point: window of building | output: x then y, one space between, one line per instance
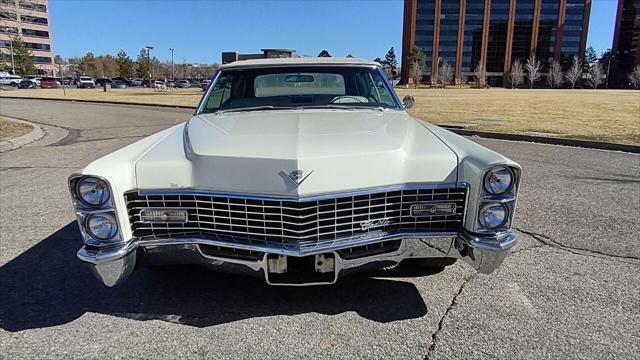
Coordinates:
34 19
472 38
545 50
42 59
37 33
8 15
8 30
522 29
499 15
38 47
28 5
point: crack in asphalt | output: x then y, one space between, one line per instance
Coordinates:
452 304
76 141
546 240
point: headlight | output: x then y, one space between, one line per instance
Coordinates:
102 226
492 215
92 191
498 180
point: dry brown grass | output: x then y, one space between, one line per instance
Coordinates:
12 129
604 115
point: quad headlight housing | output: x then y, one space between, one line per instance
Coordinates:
95 209
497 199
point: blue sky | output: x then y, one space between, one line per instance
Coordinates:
200 30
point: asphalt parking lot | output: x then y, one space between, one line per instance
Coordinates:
569 290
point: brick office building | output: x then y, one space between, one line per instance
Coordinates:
495 32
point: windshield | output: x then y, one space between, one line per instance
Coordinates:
298 87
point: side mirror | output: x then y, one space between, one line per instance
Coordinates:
408 101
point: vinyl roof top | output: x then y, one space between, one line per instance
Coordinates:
298 61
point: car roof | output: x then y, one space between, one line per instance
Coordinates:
298 61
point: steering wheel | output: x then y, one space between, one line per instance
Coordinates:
338 98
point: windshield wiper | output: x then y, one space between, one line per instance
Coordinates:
253 108
342 107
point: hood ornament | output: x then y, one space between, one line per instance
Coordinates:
297 176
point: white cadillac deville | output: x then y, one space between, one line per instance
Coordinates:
299 171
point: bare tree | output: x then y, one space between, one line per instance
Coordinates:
480 73
445 74
596 75
634 77
416 58
575 72
533 68
554 79
516 76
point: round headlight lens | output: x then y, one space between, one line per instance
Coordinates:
92 191
102 226
498 180
493 215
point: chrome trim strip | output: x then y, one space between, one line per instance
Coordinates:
302 250
303 198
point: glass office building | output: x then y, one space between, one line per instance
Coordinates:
626 39
465 33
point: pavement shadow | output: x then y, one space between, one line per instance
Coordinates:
47 286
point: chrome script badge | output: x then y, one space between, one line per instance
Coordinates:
374 224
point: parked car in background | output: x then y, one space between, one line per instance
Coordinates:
28 84
7 79
160 85
171 84
118 84
194 83
102 81
205 84
136 82
126 81
298 171
85 82
183 84
49 83
68 80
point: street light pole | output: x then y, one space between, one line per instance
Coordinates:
149 48
13 64
172 67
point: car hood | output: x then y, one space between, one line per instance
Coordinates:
329 150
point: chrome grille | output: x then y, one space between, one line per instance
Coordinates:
297 223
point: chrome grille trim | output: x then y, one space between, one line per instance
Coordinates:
294 222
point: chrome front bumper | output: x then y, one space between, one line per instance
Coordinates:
484 253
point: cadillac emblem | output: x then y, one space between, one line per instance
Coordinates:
297 176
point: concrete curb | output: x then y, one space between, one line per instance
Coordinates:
36 134
101 102
465 132
548 140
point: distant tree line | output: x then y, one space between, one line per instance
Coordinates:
143 67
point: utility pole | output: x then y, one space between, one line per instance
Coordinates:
172 67
149 48
13 63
